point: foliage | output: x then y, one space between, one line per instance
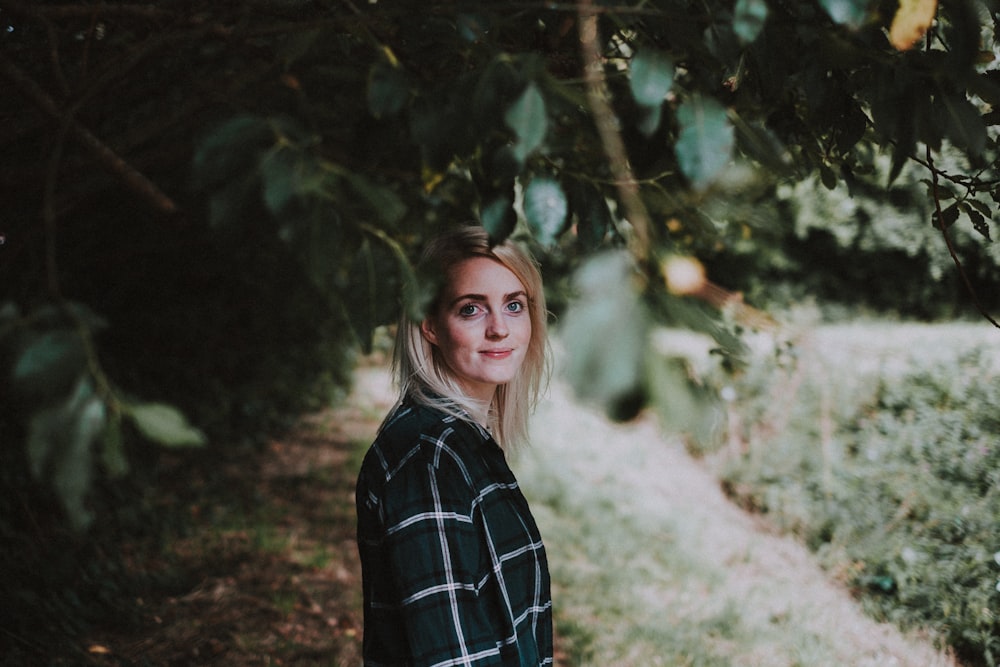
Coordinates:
651 565
888 470
852 246
238 190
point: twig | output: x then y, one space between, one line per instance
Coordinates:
135 180
625 180
947 240
607 129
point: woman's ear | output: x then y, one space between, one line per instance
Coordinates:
427 330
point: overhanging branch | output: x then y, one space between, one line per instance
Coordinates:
947 239
129 175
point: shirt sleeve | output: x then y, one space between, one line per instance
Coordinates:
437 553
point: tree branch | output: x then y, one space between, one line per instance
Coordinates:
607 129
113 162
947 240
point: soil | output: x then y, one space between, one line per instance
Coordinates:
268 574
269 559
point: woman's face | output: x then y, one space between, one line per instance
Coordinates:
482 326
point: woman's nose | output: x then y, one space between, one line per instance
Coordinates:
496 326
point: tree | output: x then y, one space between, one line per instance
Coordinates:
160 158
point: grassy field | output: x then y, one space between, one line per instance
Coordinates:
876 444
652 565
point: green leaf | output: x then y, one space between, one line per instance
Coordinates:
759 143
281 171
964 125
545 209
828 177
384 203
677 400
60 448
649 119
607 326
651 77
528 119
593 219
232 148
417 293
705 142
388 89
498 217
980 206
949 216
979 223
49 365
165 425
850 13
113 453
749 17
473 27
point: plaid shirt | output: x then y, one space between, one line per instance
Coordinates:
453 565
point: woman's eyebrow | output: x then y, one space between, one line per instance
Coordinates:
484 298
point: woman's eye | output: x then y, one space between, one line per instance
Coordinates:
468 310
515 307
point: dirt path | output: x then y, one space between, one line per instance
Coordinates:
269 574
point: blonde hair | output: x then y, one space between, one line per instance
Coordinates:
422 374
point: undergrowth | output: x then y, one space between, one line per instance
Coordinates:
880 452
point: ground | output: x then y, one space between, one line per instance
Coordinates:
269 574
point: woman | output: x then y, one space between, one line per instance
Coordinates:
453 565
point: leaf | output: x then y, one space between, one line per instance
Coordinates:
545 208
280 170
474 26
911 22
649 119
232 148
365 297
164 425
850 13
677 400
749 17
828 177
979 223
113 452
383 201
498 217
651 77
593 219
49 365
60 445
759 143
964 124
607 326
388 89
949 215
980 206
417 294
705 142
528 119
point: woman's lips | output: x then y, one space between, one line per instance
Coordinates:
497 354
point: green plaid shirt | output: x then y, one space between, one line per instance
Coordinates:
453 565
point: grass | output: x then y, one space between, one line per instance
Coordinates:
653 566
875 445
